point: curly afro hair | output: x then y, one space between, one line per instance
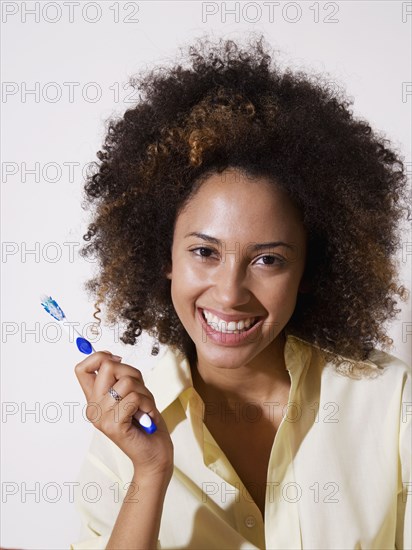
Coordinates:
233 107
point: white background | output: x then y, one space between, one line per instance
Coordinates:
366 50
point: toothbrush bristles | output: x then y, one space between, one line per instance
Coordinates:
52 307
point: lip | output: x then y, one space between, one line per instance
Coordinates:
228 318
225 339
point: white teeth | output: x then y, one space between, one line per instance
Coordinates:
232 326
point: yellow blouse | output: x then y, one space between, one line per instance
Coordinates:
339 474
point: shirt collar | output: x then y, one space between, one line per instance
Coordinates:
171 375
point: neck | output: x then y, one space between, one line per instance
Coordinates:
256 381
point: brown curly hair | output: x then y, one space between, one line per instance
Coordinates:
233 107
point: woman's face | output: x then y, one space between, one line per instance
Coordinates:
238 256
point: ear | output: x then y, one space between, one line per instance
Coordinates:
168 272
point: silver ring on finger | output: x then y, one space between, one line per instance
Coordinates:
114 394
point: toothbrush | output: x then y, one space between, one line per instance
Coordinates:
84 346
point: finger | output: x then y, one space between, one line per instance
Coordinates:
127 384
124 387
117 357
119 416
123 378
85 370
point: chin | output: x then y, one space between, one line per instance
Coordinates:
226 357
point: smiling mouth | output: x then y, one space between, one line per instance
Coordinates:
231 327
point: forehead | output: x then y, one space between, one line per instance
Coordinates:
234 204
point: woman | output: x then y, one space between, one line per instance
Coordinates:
248 221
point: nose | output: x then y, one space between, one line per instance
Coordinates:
230 285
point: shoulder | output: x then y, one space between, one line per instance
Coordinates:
390 368
379 365
396 376
382 377
388 361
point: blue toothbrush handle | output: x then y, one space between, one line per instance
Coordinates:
144 420
84 345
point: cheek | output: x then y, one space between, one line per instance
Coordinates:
190 275
186 285
281 295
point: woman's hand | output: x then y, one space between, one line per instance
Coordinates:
151 454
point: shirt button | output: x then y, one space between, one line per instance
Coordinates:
250 521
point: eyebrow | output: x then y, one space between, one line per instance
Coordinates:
213 240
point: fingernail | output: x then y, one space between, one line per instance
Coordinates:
116 357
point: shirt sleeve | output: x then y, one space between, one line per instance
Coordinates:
100 493
404 504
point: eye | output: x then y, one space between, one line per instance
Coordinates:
203 251
272 260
